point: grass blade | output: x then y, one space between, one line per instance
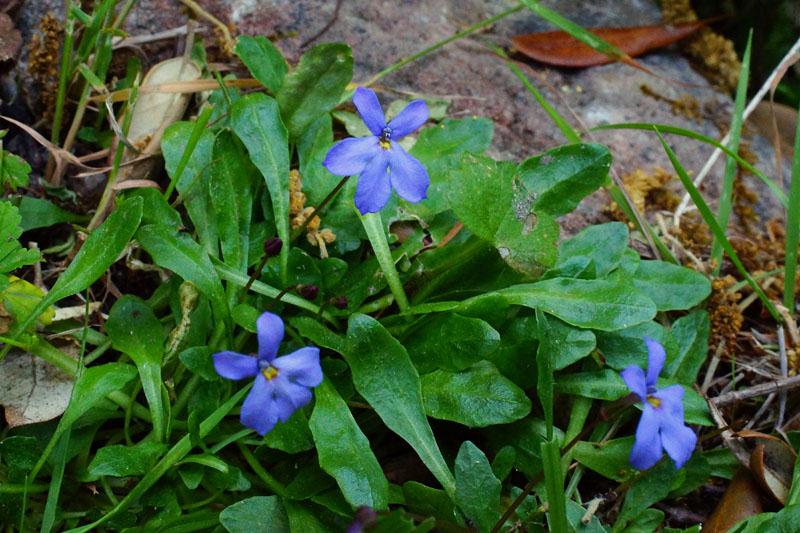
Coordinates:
792 228
675 130
715 228
726 195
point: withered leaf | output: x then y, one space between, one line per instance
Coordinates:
560 49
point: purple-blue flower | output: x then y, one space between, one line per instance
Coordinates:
283 384
661 425
380 163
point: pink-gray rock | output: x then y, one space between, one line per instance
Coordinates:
382 31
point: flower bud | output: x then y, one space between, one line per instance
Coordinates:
309 292
272 246
340 302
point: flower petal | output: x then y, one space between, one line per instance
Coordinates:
655 360
634 379
301 367
232 365
348 157
678 440
366 101
671 401
409 119
258 410
289 397
373 188
270 334
408 176
646 450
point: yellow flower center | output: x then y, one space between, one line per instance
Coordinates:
655 402
270 373
385 144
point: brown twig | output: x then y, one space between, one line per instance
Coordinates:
777 385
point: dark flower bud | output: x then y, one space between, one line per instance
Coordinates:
309 292
272 246
364 519
339 302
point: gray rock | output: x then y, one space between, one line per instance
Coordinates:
382 32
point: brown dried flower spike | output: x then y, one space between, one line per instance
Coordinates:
319 237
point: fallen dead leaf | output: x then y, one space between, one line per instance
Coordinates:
32 390
560 49
153 112
742 499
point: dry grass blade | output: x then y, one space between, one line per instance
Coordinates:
60 155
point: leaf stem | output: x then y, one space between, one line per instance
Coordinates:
373 225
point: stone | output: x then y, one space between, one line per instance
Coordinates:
477 82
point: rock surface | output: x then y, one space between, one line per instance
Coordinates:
381 32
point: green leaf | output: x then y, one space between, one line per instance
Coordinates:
525 436
136 331
606 305
230 187
603 259
182 255
427 501
344 451
554 485
258 514
671 287
477 490
626 347
569 344
292 436
125 461
39 213
653 486
256 120
560 178
14 171
12 254
495 205
610 459
450 342
264 61
600 385
544 370
193 182
438 148
691 335
156 210
101 249
477 397
315 86
92 387
384 375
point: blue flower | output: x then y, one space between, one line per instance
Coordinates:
661 425
380 163
283 384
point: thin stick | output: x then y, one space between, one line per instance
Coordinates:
777 385
299 230
784 375
684 205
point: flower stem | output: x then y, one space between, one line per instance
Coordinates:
374 228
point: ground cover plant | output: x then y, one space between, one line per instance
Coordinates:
301 304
